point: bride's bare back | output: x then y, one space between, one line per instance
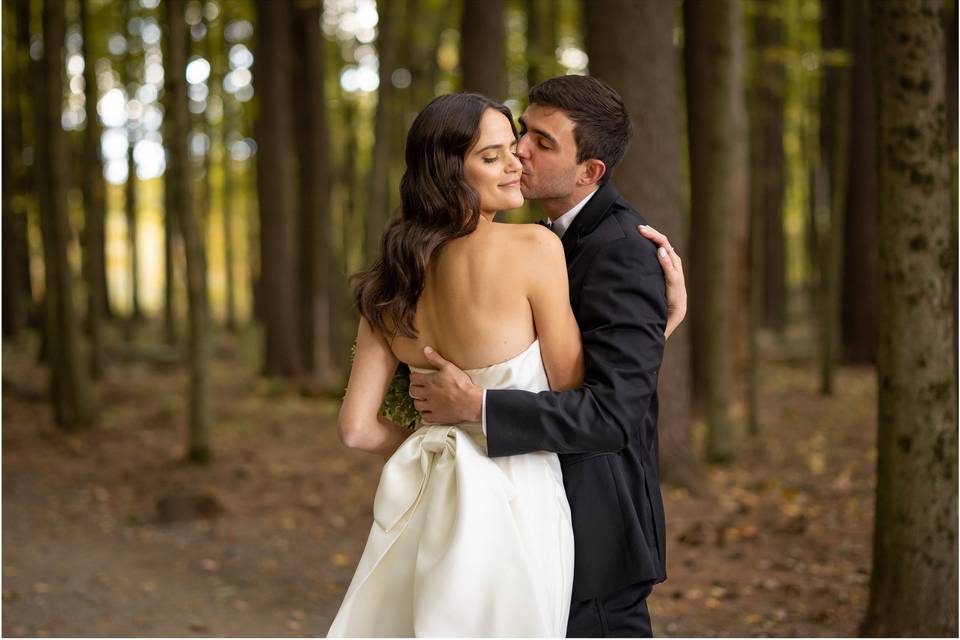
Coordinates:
475 308
488 295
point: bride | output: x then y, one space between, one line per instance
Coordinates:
461 544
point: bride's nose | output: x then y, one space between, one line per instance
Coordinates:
513 164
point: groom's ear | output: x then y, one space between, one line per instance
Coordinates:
591 172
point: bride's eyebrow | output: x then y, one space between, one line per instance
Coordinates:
496 146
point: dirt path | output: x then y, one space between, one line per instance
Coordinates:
779 548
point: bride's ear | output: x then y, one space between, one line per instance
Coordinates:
592 170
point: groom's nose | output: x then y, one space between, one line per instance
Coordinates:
523 149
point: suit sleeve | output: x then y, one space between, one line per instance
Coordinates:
622 318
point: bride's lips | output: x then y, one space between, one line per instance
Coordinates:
512 183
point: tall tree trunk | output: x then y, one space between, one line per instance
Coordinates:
767 282
913 588
378 211
275 190
951 95
94 197
170 232
227 128
767 182
861 270
179 182
650 178
836 38
716 111
69 388
131 80
483 47
542 39
315 255
17 296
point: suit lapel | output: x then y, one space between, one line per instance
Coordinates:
588 218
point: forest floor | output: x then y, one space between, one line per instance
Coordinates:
779 545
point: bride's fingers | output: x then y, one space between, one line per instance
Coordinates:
652 234
666 261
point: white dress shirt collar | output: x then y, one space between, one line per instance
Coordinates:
561 224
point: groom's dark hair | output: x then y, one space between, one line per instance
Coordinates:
602 126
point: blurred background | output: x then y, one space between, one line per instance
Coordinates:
187 186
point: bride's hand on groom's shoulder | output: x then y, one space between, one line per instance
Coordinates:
447 396
672 274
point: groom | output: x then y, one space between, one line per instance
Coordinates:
574 133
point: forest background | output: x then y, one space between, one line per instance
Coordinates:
187 186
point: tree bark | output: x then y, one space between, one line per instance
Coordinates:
227 128
767 182
276 177
542 39
483 48
650 178
315 256
180 182
859 311
69 389
836 39
94 198
913 587
17 295
130 80
716 112
378 210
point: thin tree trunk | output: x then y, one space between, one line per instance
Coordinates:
130 191
718 170
228 126
483 48
180 182
542 39
650 178
276 182
17 298
378 211
767 182
837 31
94 198
861 270
913 587
170 245
69 389
315 254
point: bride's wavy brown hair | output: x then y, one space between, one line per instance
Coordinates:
436 206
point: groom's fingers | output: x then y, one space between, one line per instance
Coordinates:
434 358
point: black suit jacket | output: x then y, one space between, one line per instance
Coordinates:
606 431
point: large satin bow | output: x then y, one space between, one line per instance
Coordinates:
406 475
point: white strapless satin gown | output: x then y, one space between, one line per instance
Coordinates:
463 544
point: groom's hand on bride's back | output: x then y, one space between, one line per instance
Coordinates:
672 275
447 396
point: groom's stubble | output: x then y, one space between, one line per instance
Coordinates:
549 184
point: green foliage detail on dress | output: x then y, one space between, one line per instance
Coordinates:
397 404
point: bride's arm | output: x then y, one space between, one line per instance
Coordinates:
360 426
549 294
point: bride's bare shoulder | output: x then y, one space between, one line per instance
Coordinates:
530 236
532 245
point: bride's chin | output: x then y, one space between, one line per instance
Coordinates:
515 203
